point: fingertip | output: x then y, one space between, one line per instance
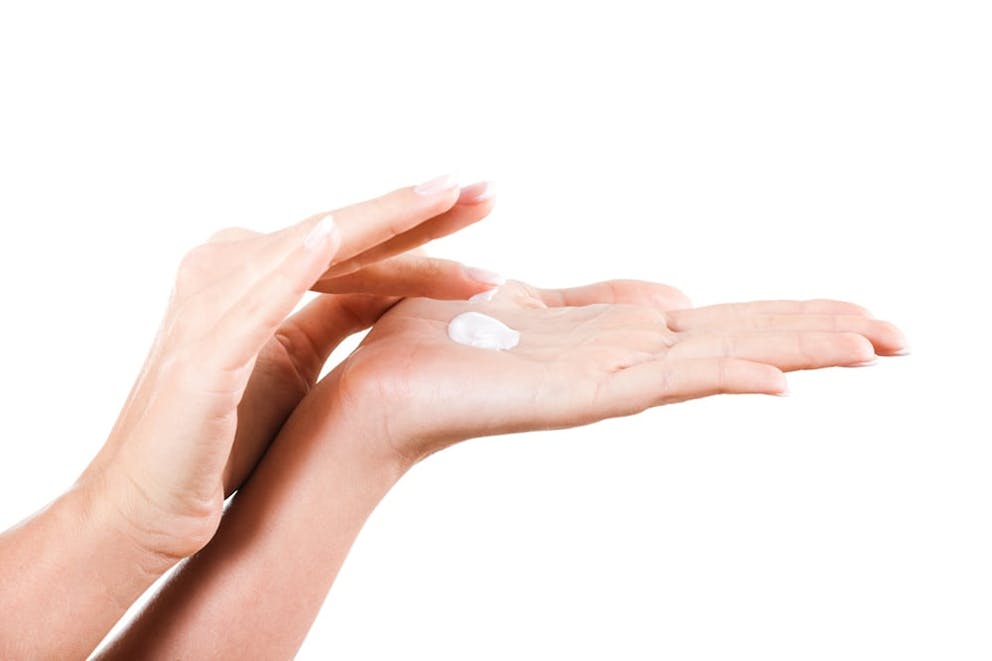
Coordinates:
322 233
485 296
778 385
484 276
887 338
900 343
462 283
477 193
858 348
437 186
748 376
434 196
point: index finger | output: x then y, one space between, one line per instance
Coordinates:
473 204
370 223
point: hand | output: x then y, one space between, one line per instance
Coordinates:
585 354
228 367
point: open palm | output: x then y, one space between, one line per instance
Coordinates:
587 354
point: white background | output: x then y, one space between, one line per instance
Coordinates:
738 150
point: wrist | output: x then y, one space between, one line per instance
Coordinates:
362 427
390 432
108 515
73 574
358 443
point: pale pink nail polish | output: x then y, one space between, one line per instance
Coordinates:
437 185
485 275
318 236
475 193
484 296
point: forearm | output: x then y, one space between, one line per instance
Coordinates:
67 575
262 579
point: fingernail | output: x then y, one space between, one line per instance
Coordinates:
484 296
477 192
484 275
318 236
437 185
784 393
903 352
865 363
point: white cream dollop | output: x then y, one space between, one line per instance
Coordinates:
480 330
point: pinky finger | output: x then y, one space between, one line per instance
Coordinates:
659 382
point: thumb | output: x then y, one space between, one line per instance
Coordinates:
311 334
307 338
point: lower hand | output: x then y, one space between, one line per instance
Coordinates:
585 354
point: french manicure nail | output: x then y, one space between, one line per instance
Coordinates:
477 192
865 363
320 233
437 185
484 275
484 296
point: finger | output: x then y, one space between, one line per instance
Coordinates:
632 292
474 203
254 260
221 271
316 330
785 350
885 337
232 234
295 258
363 226
409 276
658 382
370 223
731 313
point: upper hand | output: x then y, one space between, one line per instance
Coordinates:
228 365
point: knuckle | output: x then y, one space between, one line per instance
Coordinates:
181 315
668 338
728 345
643 316
196 367
291 284
194 265
229 234
195 257
807 348
723 375
183 367
434 269
671 298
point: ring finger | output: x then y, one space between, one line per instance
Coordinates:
786 350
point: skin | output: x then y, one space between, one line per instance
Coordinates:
225 371
589 353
